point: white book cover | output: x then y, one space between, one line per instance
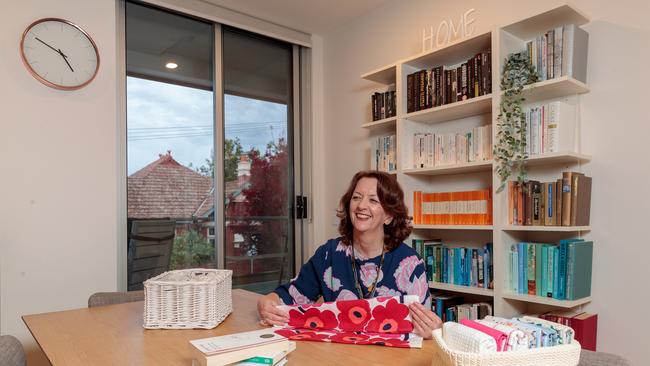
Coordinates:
237 341
561 128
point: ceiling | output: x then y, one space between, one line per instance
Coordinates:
309 16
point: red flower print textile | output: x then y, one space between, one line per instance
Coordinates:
312 318
379 321
354 314
390 318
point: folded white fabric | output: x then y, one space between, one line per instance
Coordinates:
517 340
461 338
565 334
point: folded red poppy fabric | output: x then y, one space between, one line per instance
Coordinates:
382 321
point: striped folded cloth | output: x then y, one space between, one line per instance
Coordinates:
465 339
500 337
565 333
517 339
533 332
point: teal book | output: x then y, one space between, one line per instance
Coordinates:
429 260
579 260
530 275
544 270
522 284
562 282
514 269
538 270
556 277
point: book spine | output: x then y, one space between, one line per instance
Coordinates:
555 271
562 266
566 198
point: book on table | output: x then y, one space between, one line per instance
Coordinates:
232 348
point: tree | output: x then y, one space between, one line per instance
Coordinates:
266 195
232 151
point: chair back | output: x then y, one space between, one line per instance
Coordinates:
150 247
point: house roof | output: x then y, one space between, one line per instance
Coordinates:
166 188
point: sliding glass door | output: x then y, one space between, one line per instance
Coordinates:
258 159
179 69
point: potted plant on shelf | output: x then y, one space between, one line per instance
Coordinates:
510 148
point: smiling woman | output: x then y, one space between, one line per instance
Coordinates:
368 260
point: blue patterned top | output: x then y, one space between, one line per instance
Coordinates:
328 273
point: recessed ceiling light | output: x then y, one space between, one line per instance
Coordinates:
171 65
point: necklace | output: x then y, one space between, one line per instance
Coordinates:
371 289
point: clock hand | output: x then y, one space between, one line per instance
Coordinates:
65 58
55 50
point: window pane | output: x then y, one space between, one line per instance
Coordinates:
169 143
258 173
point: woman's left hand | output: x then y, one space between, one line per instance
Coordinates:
424 320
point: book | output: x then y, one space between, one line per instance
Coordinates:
578 271
566 197
585 326
268 358
580 200
575 42
227 349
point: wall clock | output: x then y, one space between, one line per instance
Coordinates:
59 54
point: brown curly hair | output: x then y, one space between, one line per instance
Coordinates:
391 198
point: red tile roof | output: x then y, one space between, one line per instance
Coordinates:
166 188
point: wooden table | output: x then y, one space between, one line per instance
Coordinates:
113 335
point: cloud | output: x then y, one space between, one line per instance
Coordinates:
162 117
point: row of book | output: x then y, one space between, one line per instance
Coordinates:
258 347
550 128
439 85
560 51
384 156
453 208
457 265
561 271
431 150
383 105
585 325
452 308
565 202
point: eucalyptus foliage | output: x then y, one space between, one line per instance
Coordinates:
510 148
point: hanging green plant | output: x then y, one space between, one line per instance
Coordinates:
510 148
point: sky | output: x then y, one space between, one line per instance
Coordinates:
162 117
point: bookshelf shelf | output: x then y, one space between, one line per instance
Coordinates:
479 166
453 227
464 289
382 123
384 75
564 229
558 158
450 54
528 28
457 110
553 88
567 304
464 117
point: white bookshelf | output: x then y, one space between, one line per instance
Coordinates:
478 166
461 289
462 116
381 124
454 227
556 229
567 304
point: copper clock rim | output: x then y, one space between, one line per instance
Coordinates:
47 82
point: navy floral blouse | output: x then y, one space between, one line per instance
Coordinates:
329 274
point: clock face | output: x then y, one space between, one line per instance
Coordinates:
59 54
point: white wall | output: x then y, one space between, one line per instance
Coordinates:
615 126
58 186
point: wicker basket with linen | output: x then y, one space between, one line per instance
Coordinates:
562 355
188 298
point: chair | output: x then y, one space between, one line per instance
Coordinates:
150 247
11 351
110 298
591 358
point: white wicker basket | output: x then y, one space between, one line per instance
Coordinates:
563 355
189 298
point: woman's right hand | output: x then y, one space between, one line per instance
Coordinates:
269 313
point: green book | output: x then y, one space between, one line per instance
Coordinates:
538 269
579 260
